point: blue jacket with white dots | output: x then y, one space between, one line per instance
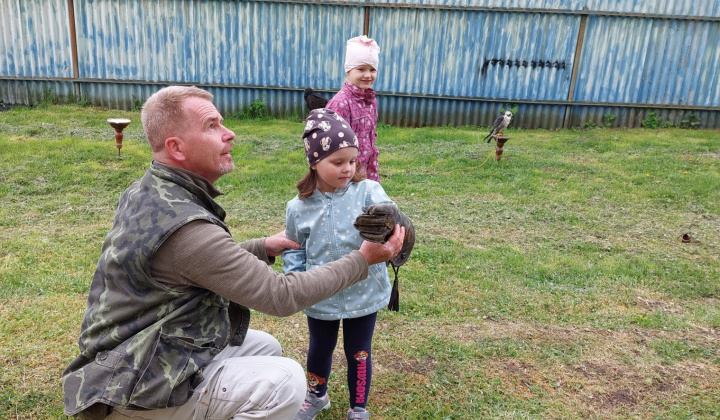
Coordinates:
323 225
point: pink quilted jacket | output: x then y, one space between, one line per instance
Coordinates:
359 108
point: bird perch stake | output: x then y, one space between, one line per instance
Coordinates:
500 142
119 125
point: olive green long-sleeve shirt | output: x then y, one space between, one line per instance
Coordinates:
202 254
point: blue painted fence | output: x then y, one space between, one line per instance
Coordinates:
562 63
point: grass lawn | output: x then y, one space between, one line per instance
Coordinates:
551 284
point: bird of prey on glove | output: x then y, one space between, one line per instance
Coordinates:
499 125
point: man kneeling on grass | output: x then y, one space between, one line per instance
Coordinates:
165 333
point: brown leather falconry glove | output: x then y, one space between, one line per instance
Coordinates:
377 224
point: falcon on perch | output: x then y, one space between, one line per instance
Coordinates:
499 125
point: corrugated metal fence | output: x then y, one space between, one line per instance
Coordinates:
562 63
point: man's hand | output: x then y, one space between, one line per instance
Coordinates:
376 253
276 244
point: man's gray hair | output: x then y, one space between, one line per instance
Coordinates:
163 115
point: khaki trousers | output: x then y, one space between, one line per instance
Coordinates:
247 382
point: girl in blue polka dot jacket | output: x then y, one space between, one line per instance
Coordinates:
331 195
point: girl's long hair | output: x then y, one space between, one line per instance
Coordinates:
307 185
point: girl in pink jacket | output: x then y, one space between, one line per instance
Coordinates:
356 102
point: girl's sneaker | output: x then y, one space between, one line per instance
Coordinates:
312 406
358 413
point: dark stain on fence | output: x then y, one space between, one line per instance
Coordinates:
560 65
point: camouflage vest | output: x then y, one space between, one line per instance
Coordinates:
142 342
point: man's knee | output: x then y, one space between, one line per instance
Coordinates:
271 385
256 343
259 343
297 385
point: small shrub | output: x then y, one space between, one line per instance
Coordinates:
690 121
607 120
137 104
652 120
75 99
49 97
589 125
255 111
512 107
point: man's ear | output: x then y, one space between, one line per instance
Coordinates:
175 148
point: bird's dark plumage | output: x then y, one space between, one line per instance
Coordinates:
499 125
314 100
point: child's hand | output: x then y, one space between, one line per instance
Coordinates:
276 244
376 253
